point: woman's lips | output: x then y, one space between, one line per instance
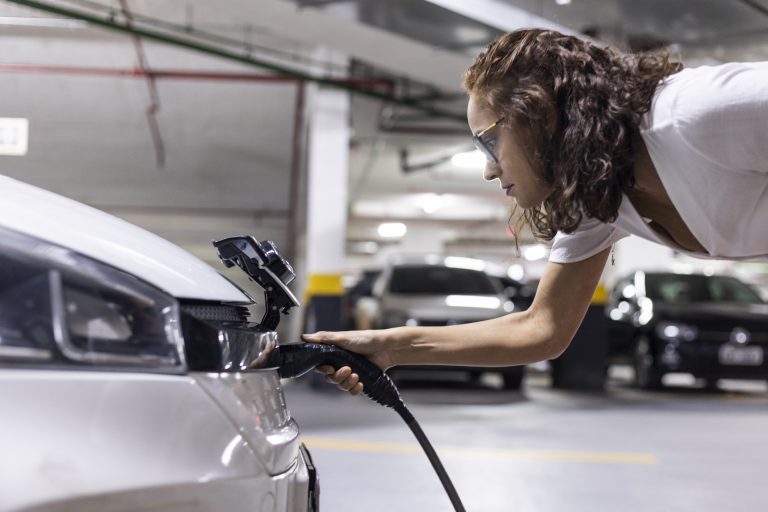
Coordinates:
509 190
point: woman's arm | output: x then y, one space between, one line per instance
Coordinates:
543 331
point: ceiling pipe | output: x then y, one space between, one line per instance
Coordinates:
172 74
126 28
757 6
154 96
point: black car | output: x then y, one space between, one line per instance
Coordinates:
363 288
712 327
521 294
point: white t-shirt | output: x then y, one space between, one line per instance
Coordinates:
707 135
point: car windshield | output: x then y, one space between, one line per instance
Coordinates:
437 280
687 289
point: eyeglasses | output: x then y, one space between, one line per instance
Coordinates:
486 145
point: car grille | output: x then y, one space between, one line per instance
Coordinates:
216 312
725 337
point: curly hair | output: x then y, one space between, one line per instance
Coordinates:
581 106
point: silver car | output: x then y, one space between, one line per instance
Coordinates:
438 291
122 382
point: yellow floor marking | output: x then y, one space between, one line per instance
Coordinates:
377 447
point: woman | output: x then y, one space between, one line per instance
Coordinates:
595 145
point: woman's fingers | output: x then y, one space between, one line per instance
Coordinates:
344 378
350 382
357 389
341 374
326 370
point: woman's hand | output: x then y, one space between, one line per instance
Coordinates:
376 345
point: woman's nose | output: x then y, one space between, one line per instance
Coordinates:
491 171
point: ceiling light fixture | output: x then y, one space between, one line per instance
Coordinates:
535 252
516 272
469 160
392 229
431 203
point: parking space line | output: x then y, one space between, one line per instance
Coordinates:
552 455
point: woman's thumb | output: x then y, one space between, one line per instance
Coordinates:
330 338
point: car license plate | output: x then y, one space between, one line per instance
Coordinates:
743 356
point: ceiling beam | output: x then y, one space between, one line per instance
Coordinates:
178 40
502 15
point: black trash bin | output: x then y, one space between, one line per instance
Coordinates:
584 364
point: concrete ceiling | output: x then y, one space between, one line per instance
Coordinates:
228 143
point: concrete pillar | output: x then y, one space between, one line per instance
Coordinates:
326 227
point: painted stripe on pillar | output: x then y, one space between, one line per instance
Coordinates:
324 284
600 297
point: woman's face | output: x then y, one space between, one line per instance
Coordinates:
514 171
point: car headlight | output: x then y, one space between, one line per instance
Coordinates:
671 331
60 308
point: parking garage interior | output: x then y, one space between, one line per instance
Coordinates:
337 130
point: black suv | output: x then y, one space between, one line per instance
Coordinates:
709 326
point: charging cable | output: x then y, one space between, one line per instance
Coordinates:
297 359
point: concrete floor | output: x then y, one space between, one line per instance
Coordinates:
543 450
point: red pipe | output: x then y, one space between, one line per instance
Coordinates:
172 74
154 97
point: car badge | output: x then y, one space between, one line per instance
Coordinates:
740 336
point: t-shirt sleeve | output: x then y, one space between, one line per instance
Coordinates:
591 237
722 114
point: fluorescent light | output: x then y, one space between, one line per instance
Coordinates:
392 229
516 272
365 247
466 263
41 22
563 2
430 203
469 160
14 136
472 301
535 252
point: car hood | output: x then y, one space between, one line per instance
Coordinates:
91 232
435 307
715 313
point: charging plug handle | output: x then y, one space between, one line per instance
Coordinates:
297 359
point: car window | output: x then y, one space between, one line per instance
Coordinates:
437 280
728 289
686 289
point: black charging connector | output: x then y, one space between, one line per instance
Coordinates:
264 265
296 359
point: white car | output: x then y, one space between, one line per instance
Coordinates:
120 374
439 291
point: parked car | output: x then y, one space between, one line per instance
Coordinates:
709 326
521 294
363 288
438 292
121 373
